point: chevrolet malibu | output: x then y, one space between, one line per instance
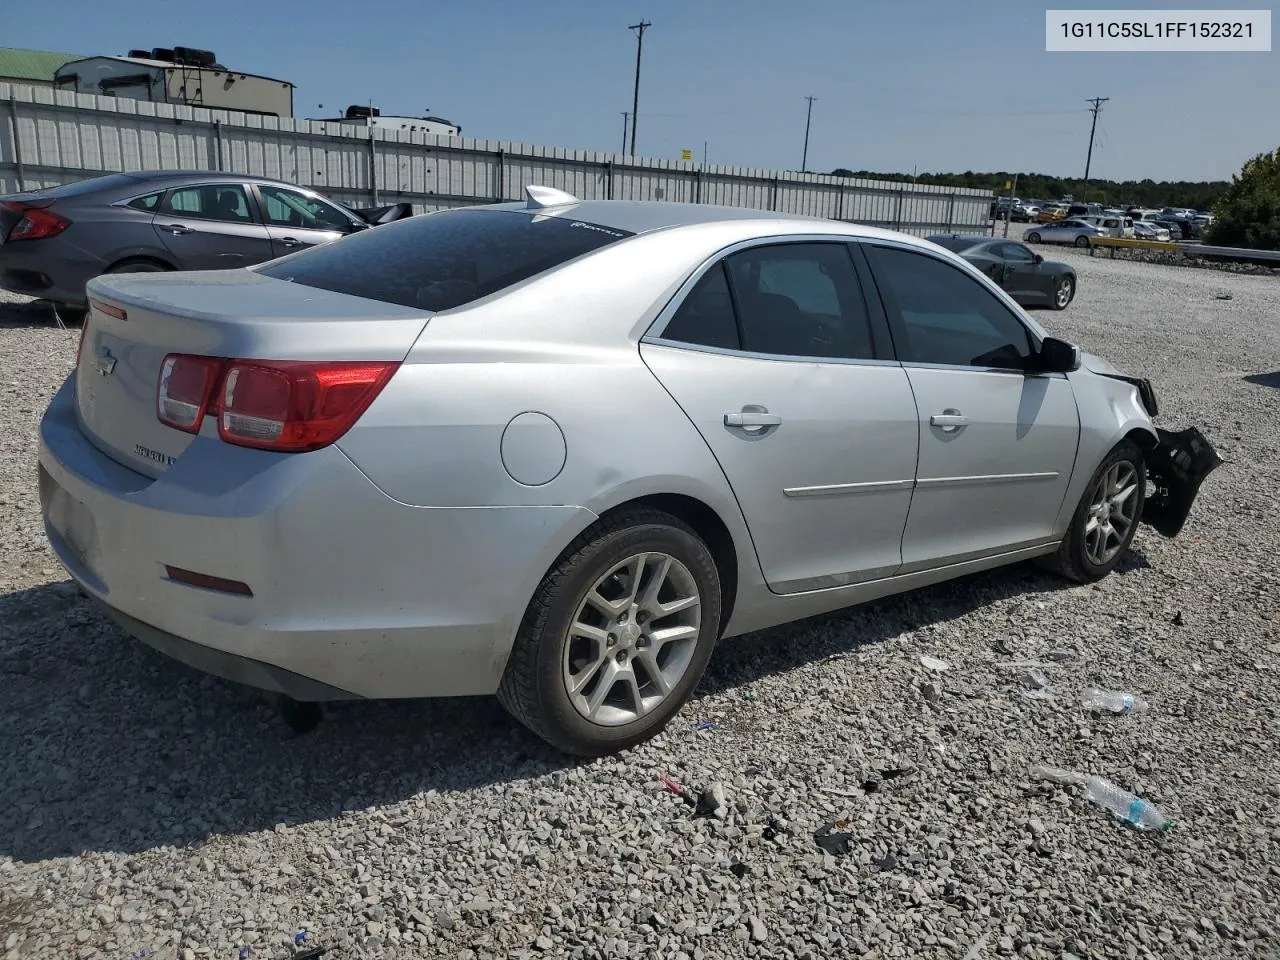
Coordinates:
557 450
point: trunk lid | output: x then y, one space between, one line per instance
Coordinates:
222 313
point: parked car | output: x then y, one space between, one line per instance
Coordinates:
1084 210
1050 214
1147 230
437 475
1024 274
53 241
1074 231
1023 212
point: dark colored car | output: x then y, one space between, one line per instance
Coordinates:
52 242
1025 275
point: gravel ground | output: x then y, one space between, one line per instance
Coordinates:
143 805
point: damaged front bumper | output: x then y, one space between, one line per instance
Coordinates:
1175 470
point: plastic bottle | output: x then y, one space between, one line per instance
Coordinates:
1133 810
1113 701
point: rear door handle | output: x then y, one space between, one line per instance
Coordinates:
949 421
177 229
751 420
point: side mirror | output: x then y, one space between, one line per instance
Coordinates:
1056 356
1036 258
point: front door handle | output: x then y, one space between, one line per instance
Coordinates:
290 242
752 420
177 229
949 421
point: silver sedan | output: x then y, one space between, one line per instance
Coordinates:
1076 232
557 450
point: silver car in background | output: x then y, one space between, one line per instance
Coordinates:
1146 230
558 450
1074 231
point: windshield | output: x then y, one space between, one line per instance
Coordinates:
443 260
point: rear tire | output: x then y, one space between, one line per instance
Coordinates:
627 682
137 265
1105 520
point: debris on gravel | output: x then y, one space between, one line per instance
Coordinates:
144 806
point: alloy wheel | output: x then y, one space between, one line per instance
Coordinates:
1112 509
631 639
1063 295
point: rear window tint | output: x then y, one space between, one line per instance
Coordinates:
113 182
956 244
443 260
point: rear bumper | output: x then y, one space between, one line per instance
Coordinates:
52 269
354 594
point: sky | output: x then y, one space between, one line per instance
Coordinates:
901 85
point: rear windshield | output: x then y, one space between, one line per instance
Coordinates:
111 182
956 244
445 259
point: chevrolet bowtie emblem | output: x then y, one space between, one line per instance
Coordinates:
106 362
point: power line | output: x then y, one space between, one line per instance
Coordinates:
1093 128
804 160
639 28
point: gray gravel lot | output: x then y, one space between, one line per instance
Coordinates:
145 806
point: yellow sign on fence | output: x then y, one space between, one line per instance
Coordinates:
686 154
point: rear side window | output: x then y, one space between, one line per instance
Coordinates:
443 260
706 318
149 202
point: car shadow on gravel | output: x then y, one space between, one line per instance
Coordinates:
33 313
106 745
1265 379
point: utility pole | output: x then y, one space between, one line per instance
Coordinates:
625 117
639 28
704 153
804 160
1096 108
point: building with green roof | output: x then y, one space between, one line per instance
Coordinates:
32 67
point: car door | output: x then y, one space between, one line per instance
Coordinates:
211 226
296 219
775 357
997 444
1025 281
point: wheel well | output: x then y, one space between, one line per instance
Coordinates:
706 523
1145 441
142 259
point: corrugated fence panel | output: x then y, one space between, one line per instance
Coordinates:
49 137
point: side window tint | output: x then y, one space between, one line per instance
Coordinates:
226 202
1016 253
706 317
946 316
288 208
149 202
801 300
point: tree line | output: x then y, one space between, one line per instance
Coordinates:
1198 195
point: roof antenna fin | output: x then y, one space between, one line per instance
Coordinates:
540 197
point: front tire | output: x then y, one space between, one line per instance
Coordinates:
1064 293
617 635
1106 518
1032 237
1082 242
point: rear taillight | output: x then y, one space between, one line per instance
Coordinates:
37 222
84 332
285 405
295 405
186 386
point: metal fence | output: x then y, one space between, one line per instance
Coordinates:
49 137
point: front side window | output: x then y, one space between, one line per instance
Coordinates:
1016 253
945 316
220 201
443 260
290 208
